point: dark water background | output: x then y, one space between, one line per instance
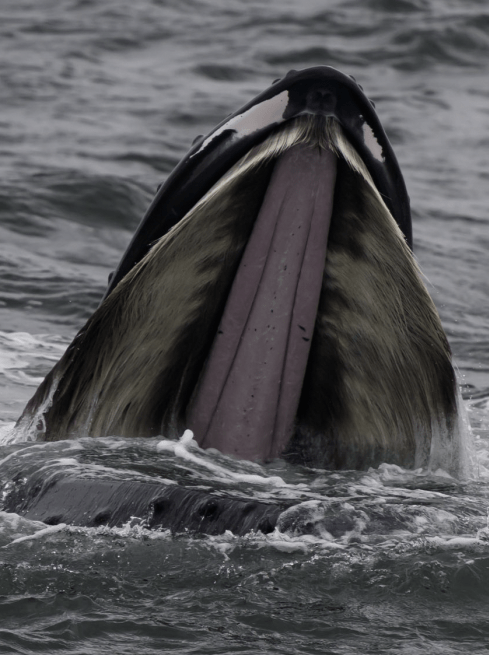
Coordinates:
98 102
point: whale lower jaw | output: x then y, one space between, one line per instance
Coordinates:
94 502
342 364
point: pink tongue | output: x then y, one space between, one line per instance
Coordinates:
248 393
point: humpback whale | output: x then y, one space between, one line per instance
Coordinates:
269 300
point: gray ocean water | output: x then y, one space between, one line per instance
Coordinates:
98 102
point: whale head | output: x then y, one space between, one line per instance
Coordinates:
269 299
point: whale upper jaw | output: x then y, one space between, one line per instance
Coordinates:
269 299
318 91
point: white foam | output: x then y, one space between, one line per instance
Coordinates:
132 529
181 449
289 543
20 351
11 522
452 543
452 451
52 529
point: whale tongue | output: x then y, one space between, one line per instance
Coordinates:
248 393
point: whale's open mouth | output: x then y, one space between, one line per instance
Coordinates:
269 299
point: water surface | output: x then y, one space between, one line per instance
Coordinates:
99 102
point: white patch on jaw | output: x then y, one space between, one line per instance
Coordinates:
372 143
259 116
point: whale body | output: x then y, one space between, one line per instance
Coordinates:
269 299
